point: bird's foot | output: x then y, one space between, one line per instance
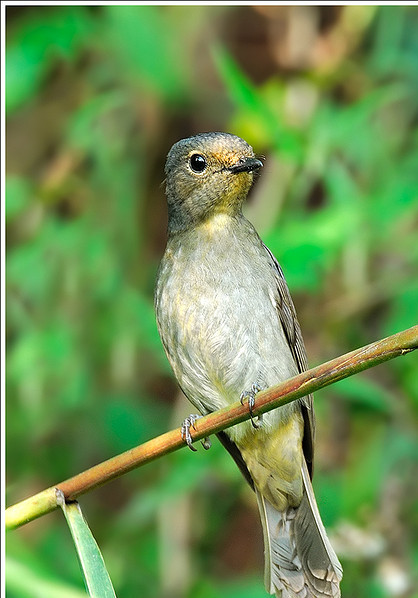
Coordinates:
250 396
188 423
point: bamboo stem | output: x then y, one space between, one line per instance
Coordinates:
281 394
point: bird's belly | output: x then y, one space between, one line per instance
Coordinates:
222 341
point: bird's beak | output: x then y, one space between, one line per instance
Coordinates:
246 165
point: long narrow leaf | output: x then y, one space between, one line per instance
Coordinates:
247 97
96 577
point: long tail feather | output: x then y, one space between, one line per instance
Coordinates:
300 561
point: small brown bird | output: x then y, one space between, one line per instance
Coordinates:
229 328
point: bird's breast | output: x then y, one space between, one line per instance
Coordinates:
216 312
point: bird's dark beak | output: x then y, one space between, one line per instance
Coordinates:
246 165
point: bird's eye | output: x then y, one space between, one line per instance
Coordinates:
197 163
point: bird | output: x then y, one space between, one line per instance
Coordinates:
229 329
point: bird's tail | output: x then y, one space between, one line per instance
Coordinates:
300 561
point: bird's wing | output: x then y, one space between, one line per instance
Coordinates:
289 321
235 453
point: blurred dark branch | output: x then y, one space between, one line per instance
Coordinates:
290 390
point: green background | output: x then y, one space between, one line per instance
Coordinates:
95 98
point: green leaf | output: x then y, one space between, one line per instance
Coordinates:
18 195
23 581
144 40
364 474
248 587
96 577
307 247
37 44
365 393
249 99
128 423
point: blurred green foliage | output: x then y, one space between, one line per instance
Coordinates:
95 97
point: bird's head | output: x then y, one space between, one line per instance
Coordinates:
207 174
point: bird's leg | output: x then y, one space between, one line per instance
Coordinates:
188 423
250 396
